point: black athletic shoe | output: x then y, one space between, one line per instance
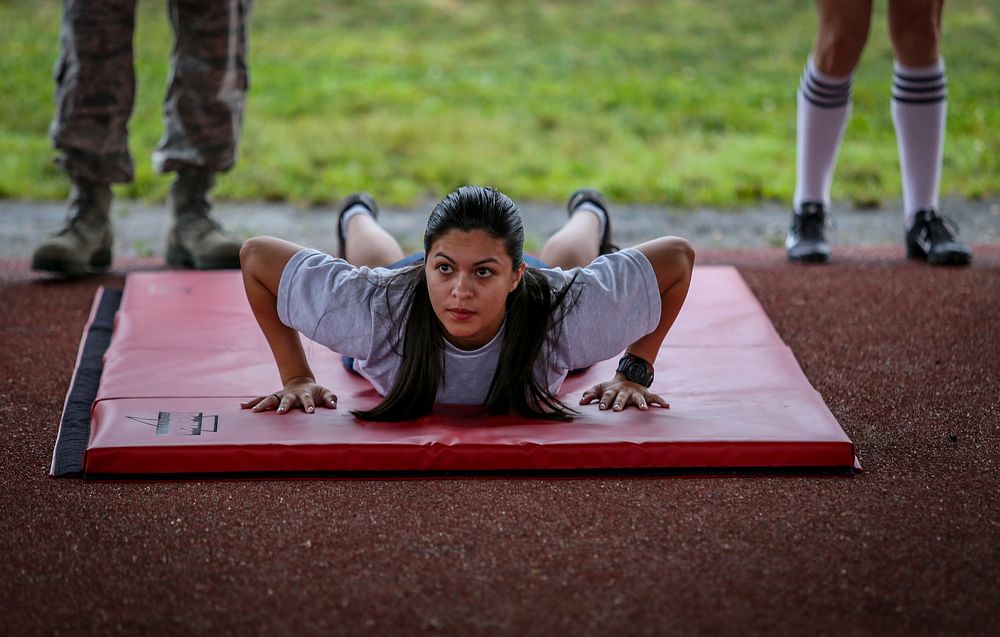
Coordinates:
590 195
932 238
362 198
806 240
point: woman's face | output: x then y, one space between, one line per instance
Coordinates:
469 276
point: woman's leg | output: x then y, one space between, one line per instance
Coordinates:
365 243
575 244
369 244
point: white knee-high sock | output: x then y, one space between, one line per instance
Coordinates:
919 107
824 103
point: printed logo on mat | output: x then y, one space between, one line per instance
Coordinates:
168 289
180 423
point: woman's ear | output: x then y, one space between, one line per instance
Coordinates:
516 279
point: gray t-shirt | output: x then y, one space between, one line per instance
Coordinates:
359 312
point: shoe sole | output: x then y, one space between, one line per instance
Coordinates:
949 258
810 258
180 257
99 262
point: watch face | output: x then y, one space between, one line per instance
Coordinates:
636 372
639 371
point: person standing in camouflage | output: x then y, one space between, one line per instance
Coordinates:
203 113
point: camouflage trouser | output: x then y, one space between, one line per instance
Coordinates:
95 87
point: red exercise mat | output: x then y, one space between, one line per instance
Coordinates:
186 350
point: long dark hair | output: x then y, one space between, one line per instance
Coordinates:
531 314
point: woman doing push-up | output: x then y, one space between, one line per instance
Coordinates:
472 320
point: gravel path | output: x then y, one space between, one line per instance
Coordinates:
141 228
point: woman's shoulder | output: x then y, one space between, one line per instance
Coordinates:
315 277
625 261
314 263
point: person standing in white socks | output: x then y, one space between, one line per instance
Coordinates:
919 105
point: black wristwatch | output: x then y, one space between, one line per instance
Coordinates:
638 370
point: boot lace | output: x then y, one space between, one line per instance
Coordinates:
83 200
812 222
197 206
199 225
938 229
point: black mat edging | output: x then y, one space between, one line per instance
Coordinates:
74 428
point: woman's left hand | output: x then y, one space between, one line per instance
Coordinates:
618 394
300 392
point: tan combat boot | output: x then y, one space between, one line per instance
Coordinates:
84 243
195 238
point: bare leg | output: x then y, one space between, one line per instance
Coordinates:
574 245
823 106
369 244
841 35
915 29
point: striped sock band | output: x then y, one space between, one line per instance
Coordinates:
823 90
823 105
919 86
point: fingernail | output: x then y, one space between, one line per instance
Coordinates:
309 409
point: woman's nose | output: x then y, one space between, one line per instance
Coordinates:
463 286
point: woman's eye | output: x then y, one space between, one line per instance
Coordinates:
444 268
484 272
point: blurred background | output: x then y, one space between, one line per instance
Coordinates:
678 102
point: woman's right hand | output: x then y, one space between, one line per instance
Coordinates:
304 393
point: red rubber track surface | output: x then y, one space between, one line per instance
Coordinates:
907 357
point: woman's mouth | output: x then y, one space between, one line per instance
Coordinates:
461 315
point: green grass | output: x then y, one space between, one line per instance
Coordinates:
681 102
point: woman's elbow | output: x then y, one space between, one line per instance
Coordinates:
251 247
261 252
673 261
678 255
264 259
683 252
